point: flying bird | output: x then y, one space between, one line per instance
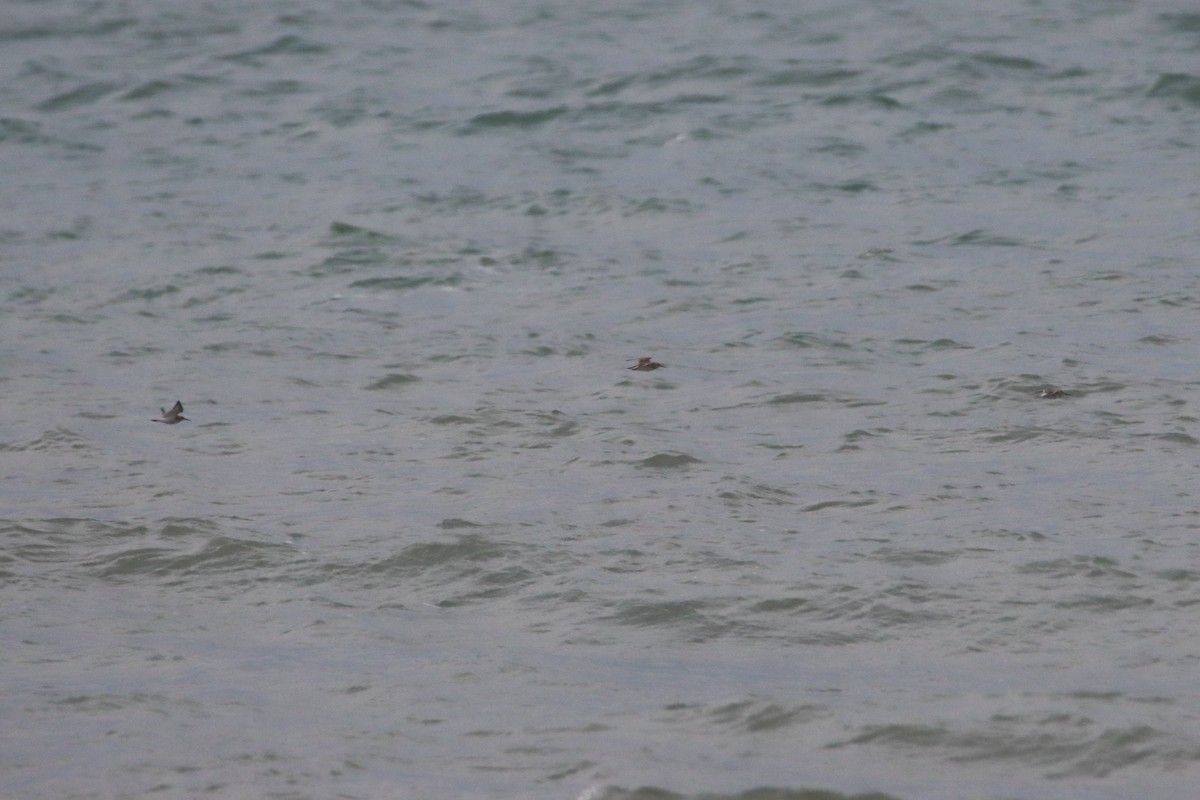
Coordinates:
645 364
172 417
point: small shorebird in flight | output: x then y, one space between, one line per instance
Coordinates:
645 364
172 417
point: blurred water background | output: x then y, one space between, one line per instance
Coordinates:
425 536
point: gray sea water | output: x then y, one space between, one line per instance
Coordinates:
425 536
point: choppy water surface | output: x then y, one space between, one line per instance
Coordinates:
426 537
